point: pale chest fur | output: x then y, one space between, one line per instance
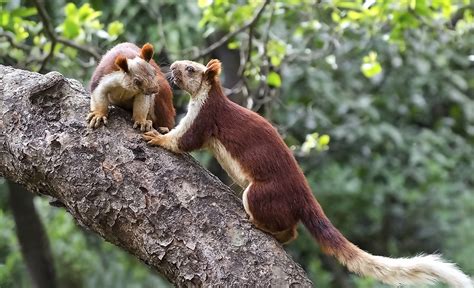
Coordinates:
111 85
228 163
121 97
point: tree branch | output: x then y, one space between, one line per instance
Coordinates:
11 39
459 14
228 36
163 208
54 38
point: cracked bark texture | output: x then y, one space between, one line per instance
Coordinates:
163 208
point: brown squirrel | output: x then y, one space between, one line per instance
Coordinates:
277 195
128 77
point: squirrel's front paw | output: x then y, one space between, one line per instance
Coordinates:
145 125
153 138
94 118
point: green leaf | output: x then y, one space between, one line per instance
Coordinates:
276 50
371 69
20 32
71 29
354 15
115 28
204 3
70 9
335 17
371 66
273 79
24 12
233 45
324 140
87 13
4 18
314 141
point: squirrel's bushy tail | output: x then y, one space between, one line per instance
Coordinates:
423 269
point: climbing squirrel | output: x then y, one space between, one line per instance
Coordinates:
128 77
277 195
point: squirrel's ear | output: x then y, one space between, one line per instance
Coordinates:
121 63
213 68
147 52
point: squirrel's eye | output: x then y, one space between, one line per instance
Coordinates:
190 69
137 82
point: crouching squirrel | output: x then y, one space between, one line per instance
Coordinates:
128 77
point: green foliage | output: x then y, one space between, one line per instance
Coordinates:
81 259
30 44
401 143
12 268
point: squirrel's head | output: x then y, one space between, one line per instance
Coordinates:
139 74
193 77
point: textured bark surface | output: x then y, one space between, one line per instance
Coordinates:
163 208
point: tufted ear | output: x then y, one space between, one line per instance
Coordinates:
213 69
147 52
121 63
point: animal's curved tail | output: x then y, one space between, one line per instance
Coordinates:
424 269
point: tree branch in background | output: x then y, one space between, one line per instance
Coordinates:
263 88
459 14
87 49
32 238
228 36
49 31
150 10
54 38
163 208
11 39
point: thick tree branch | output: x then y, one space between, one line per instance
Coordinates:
163 208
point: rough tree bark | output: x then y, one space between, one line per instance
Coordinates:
163 208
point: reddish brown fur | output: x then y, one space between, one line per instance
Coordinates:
147 52
279 195
121 63
164 109
252 151
106 64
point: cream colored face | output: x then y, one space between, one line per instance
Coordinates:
188 75
141 77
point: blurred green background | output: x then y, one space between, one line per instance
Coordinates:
375 98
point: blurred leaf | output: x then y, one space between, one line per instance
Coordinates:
233 45
71 28
204 3
70 10
115 28
371 66
273 79
23 12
